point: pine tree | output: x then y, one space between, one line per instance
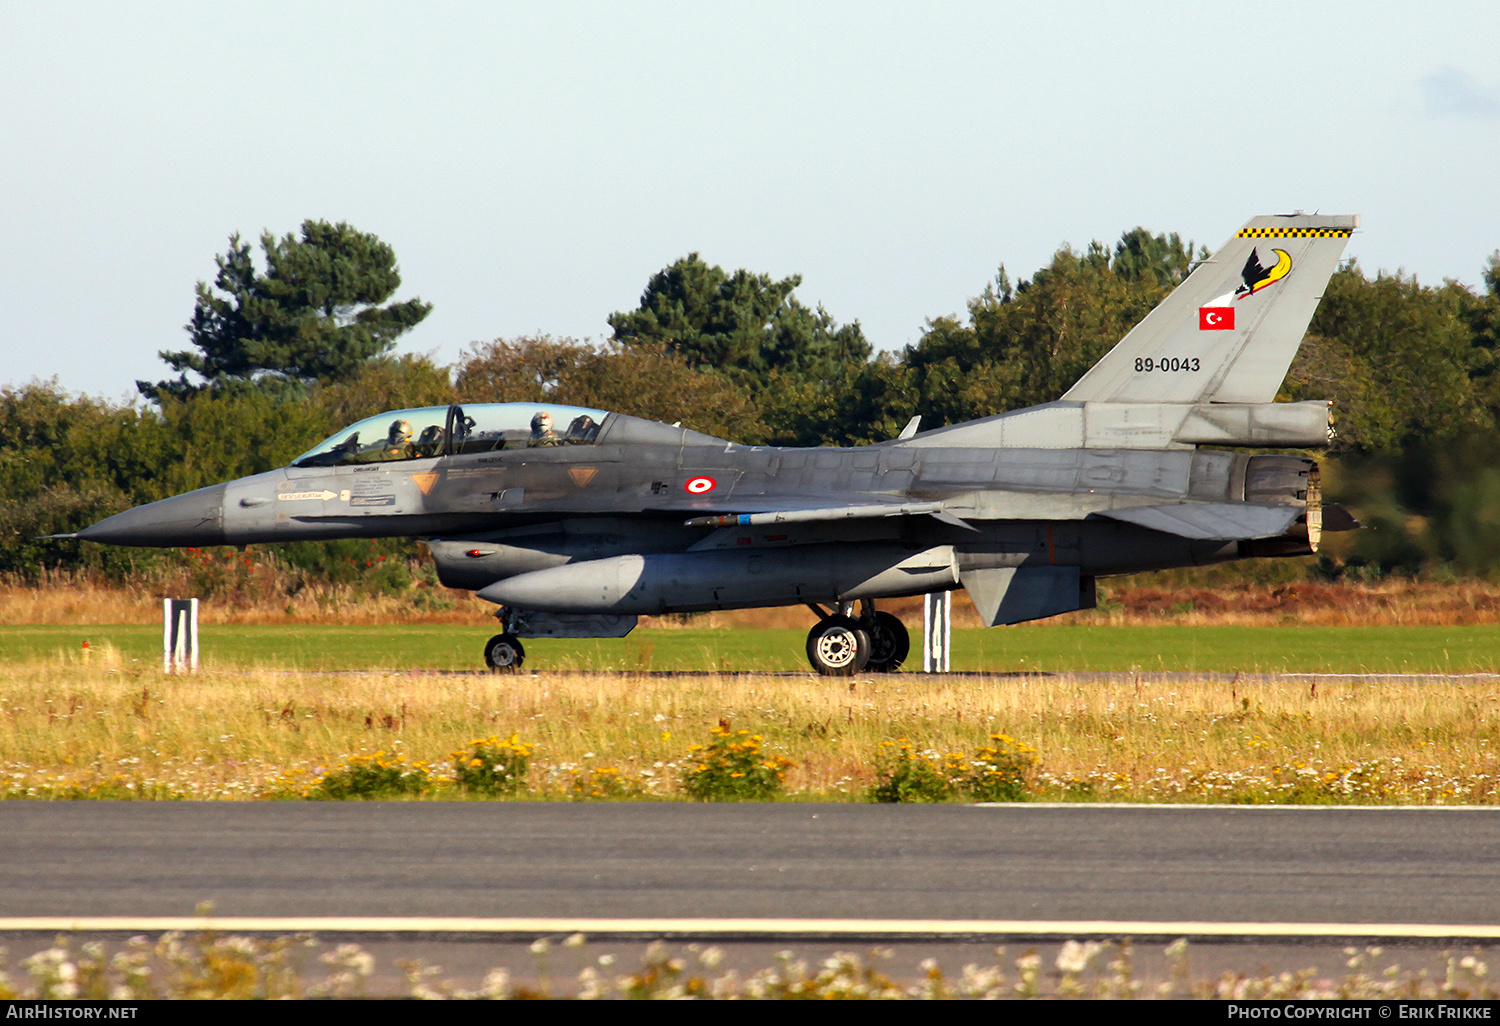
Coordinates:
314 314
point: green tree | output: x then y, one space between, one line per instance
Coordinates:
313 314
1165 258
1482 314
48 438
388 383
529 369
54 478
212 438
866 402
1400 360
742 324
643 381
1027 345
25 549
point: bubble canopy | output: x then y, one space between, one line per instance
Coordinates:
455 430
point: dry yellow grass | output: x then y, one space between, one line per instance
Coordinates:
110 730
63 598
1204 598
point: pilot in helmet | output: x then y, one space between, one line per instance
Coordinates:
541 430
398 441
431 440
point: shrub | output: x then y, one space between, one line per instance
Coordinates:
998 772
490 766
732 768
372 776
904 774
604 783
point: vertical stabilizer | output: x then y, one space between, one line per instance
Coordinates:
1229 332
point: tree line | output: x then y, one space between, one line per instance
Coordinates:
290 345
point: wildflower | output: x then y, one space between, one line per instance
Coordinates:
1074 957
732 768
491 766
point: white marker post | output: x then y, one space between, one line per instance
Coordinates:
179 635
935 634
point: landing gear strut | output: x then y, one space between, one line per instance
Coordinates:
840 645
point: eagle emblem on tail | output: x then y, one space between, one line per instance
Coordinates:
1257 276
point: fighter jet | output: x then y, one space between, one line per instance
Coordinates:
575 522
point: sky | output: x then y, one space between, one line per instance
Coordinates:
532 165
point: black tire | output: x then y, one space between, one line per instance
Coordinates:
838 647
889 643
503 653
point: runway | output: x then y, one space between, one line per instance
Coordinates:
1338 870
469 886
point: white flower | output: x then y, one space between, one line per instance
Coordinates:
1075 958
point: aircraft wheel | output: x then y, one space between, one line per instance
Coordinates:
503 653
838 647
889 643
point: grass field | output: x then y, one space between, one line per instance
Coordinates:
1045 648
127 730
276 706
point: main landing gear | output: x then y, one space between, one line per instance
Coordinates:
840 645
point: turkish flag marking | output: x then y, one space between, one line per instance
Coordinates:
1215 318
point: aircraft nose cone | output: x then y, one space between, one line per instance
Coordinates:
196 518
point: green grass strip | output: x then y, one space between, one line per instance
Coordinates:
1048 648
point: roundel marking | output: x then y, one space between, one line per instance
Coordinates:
699 485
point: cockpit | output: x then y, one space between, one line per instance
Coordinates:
455 430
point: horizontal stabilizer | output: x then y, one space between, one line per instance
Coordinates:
1211 521
1337 518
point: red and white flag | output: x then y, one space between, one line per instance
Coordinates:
1216 318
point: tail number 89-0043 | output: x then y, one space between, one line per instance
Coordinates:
1167 364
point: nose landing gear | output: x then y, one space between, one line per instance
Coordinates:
840 645
504 654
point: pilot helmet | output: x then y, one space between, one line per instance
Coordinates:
400 431
541 424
